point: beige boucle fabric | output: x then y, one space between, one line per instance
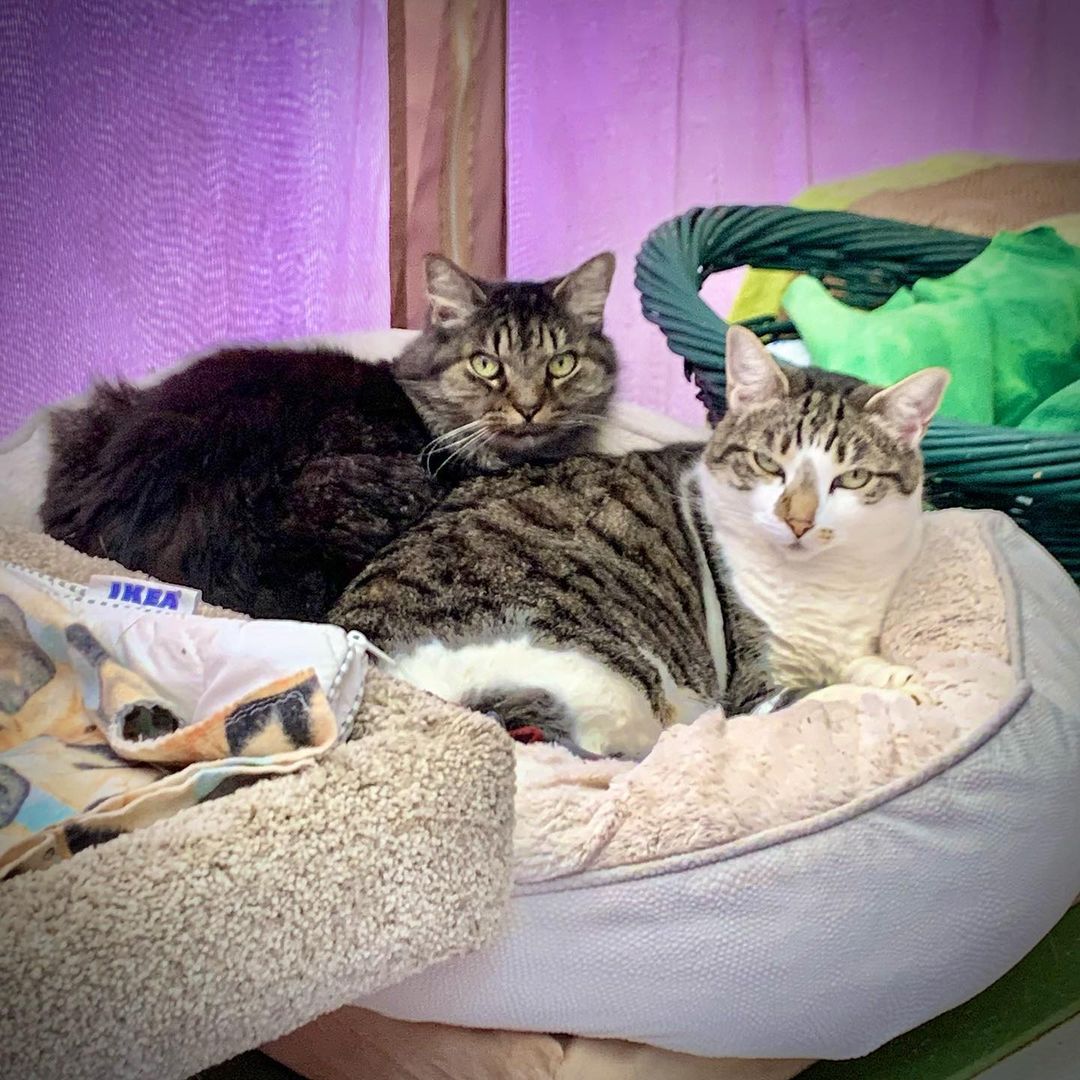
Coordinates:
742 775
180 945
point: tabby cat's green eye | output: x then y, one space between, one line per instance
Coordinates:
562 365
852 479
485 366
768 464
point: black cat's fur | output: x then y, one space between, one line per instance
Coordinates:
268 478
233 474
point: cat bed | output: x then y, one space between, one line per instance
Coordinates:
803 884
813 882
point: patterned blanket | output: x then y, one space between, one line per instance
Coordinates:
119 706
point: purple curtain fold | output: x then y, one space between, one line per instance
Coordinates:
621 115
176 174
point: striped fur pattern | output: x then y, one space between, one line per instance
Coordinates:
268 477
588 583
818 411
510 372
600 599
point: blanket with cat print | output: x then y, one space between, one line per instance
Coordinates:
119 706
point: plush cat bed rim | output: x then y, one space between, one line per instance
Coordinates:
789 832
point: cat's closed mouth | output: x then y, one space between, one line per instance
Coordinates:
525 434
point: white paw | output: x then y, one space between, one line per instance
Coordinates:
873 671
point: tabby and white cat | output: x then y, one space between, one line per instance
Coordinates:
600 599
268 477
812 485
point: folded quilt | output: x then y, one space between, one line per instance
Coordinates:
1007 196
120 706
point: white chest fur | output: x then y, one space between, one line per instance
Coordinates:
820 616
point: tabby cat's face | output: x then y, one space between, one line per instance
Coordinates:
807 462
512 371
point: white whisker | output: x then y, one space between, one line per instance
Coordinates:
451 440
464 447
577 422
453 444
454 433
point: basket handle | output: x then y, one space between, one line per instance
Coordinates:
870 257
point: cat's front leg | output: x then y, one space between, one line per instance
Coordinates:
879 673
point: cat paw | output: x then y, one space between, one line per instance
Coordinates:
875 672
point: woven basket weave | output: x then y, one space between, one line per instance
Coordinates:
1033 477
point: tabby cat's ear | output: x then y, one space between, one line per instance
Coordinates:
753 376
584 291
907 407
452 294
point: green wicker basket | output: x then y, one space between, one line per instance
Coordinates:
1033 477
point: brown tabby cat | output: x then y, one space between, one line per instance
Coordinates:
268 477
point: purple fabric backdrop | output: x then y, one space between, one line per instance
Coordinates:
174 175
621 115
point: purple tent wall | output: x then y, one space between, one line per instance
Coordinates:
621 115
174 175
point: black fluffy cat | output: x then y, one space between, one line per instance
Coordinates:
268 477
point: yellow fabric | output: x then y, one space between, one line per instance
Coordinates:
761 291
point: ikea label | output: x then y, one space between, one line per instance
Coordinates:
131 593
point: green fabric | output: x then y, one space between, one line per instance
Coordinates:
1059 412
761 290
1007 325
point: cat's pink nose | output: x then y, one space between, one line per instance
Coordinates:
799 526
